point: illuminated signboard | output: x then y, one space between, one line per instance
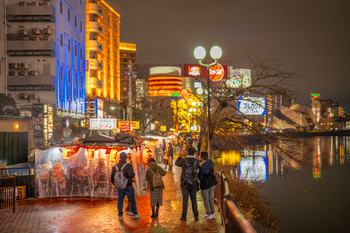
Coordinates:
126 126
194 71
103 123
134 124
253 168
252 105
216 73
238 78
315 96
163 128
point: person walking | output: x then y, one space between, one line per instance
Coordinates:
170 154
154 178
121 177
189 181
166 158
207 184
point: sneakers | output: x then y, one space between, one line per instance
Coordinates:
207 217
212 216
120 217
195 218
183 219
130 213
136 216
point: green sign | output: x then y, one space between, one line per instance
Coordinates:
176 94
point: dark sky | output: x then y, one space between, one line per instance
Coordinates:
311 37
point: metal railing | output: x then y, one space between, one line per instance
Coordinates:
23 178
232 218
8 193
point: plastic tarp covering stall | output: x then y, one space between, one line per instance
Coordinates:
82 171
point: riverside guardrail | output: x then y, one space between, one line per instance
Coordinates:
23 178
232 218
8 193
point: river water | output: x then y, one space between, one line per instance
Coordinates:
310 198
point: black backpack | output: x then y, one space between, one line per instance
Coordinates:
191 175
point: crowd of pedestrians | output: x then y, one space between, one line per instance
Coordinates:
197 173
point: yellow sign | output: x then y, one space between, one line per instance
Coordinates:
136 124
163 128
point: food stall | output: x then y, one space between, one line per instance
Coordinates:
83 169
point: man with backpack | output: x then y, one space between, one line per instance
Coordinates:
121 177
154 178
189 181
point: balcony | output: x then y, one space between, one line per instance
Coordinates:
94 45
95 27
31 48
95 64
95 9
30 13
40 82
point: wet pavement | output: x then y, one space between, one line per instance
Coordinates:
100 215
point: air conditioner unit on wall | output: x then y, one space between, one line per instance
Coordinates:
12 66
23 65
24 96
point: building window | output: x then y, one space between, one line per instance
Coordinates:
68 14
61 72
75 50
69 45
81 54
61 7
75 21
81 26
61 39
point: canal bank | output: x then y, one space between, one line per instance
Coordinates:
309 198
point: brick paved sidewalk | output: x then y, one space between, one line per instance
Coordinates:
99 215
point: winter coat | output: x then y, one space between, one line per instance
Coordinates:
180 162
206 173
149 175
128 172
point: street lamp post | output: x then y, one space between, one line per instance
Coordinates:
199 54
114 107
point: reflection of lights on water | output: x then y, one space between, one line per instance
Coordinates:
230 157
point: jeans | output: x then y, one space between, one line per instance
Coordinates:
129 192
192 194
208 199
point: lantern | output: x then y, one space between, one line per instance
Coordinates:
113 155
66 153
91 154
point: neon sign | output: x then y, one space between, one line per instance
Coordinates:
216 73
194 70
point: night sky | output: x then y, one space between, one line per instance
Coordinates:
310 37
